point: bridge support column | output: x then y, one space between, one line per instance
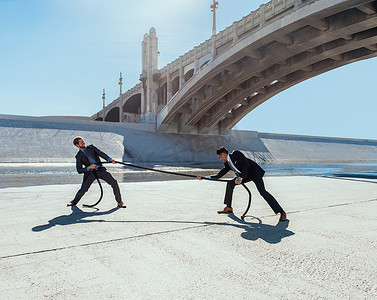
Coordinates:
120 108
235 34
262 12
213 47
142 101
196 61
181 75
297 3
169 88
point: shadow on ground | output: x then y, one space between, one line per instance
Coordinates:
252 231
269 233
77 216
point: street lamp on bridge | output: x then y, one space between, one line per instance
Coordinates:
103 98
120 84
214 6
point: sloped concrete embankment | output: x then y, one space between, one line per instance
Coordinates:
39 139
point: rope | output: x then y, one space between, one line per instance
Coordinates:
100 186
167 172
171 173
248 204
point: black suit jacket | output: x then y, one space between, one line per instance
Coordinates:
82 161
249 169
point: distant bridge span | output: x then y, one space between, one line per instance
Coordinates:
308 40
211 88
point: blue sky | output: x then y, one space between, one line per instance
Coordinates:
58 55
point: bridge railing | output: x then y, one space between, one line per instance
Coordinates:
129 93
225 38
236 31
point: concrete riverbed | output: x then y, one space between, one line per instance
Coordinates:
169 243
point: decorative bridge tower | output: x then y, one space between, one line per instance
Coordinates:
149 76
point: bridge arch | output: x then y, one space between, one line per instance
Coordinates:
189 74
113 115
204 64
163 94
133 104
175 85
299 43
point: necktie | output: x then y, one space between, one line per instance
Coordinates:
92 161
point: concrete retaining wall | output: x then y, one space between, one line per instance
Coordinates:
43 139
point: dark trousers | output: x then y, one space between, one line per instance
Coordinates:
102 174
261 189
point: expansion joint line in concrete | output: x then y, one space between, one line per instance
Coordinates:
103 242
331 206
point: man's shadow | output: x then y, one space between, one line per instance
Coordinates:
252 231
268 233
77 216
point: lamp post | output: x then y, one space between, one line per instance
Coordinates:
121 114
214 6
103 104
120 83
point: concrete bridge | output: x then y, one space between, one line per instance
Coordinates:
212 87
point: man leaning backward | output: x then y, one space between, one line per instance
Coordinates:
88 163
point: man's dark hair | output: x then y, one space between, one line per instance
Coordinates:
222 149
76 140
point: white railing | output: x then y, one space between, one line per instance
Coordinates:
256 18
